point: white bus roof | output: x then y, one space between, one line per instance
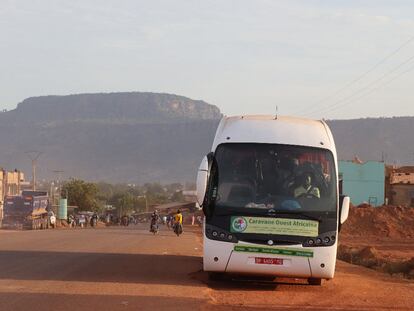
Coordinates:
274 130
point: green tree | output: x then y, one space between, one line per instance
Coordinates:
125 203
82 194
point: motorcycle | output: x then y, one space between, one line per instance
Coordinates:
154 227
94 221
178 229
71 221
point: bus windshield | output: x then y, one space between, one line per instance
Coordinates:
279 178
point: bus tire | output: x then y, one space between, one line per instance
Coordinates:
315 281
215 276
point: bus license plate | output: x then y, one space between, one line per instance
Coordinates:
268 261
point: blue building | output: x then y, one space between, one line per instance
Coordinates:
363 182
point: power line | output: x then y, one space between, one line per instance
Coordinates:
360 77
370 91
361 90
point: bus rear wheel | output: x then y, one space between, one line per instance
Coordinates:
315 281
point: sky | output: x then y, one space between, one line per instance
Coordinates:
313 58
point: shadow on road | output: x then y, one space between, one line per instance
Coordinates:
235 282
99 267
24 302
250 283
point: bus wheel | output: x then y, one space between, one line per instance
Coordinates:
315 281
215 276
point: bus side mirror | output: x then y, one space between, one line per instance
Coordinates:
344 208
202 179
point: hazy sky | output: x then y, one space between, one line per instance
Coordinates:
243 56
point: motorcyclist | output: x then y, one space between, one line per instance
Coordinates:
178 223
71 220
94 220
154 221
52 219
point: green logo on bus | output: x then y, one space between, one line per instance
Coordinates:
238 224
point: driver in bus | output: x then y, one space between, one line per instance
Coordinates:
306 188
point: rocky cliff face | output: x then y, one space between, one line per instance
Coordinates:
118 137
112 108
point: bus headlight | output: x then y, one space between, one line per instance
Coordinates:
324 239
216 233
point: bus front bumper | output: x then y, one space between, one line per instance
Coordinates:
289 261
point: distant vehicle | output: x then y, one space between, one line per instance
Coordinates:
27 211
269 192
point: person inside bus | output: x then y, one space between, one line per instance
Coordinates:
306 188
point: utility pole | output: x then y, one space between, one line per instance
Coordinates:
59 177
33 156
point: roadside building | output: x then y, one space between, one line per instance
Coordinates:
400 185
364 182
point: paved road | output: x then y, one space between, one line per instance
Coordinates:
130 269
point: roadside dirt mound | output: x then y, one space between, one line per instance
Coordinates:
384 221
370 257
380 238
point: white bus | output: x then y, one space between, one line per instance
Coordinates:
269 192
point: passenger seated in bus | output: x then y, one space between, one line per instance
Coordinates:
306 189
